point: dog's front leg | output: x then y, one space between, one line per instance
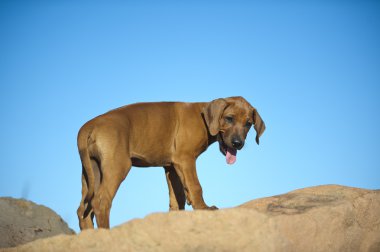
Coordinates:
177 195
187 172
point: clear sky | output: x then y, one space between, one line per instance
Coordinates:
311 68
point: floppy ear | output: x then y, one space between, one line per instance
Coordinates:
212 114
259 125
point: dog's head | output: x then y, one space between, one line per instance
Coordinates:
230 120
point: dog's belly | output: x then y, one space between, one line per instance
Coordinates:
137 162
150 159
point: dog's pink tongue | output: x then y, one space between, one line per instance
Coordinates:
230 156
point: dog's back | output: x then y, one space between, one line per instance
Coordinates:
147 130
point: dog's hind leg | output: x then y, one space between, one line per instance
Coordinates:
85 212
176 191
114 170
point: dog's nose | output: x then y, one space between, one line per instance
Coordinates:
237 143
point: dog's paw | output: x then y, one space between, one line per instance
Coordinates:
212 208
205 207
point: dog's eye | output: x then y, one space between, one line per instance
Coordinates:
248 124
229 119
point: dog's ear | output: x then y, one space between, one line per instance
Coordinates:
212 114
259 125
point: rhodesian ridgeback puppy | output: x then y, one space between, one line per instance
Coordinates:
167 134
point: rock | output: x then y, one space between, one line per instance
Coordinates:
22 221
323 218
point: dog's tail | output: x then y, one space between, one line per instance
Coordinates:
88 172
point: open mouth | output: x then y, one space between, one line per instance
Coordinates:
229 152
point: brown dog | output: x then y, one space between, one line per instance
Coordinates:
168 134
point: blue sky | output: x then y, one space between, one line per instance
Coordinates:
311 68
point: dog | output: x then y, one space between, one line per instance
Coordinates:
167 134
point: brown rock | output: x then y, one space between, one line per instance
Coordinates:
326 218
23 221
323 218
